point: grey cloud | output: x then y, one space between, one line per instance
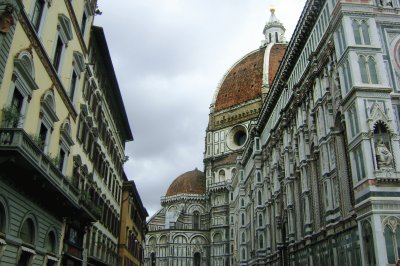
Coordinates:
169 57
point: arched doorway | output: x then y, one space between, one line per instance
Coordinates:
196 259
153 259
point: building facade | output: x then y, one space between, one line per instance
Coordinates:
132 226
302 163
62 136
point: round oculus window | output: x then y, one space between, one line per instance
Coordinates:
237 137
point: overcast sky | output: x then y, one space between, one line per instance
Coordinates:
169 56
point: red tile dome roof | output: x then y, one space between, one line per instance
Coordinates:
244 81
192 182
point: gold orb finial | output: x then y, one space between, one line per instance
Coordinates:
272 9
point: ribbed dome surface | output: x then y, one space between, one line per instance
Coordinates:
245 80
192 182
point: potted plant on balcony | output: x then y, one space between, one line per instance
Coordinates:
11 117
37 140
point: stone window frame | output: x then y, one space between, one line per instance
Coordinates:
358 158
368 66
66 142
48 117
361 31
43 14
27 249
63 36
391 225
78 67
23 80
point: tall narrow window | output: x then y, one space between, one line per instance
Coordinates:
42 142
368 244
261 242
17 101
391 244
72 87
83 24
61 160
365 32
259 198
368 69
356 31
2 218
38 8
196 220
27 233
12 116
197 259
57 53
359 160
372 70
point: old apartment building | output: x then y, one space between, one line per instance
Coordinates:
62 136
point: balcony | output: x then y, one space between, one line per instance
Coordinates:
89 204
30 169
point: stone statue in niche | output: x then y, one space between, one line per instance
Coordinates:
383 155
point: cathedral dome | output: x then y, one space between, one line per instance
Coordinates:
246 79
192 182
250 77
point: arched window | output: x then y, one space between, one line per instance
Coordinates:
243 239
221 176
241 202
243 254
363 69
233 172
258 177
260 220
243 221
391 239
51 242
368 69
276 37
27 232
259 198
196 220
372 70
365 32
48 118
368 240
